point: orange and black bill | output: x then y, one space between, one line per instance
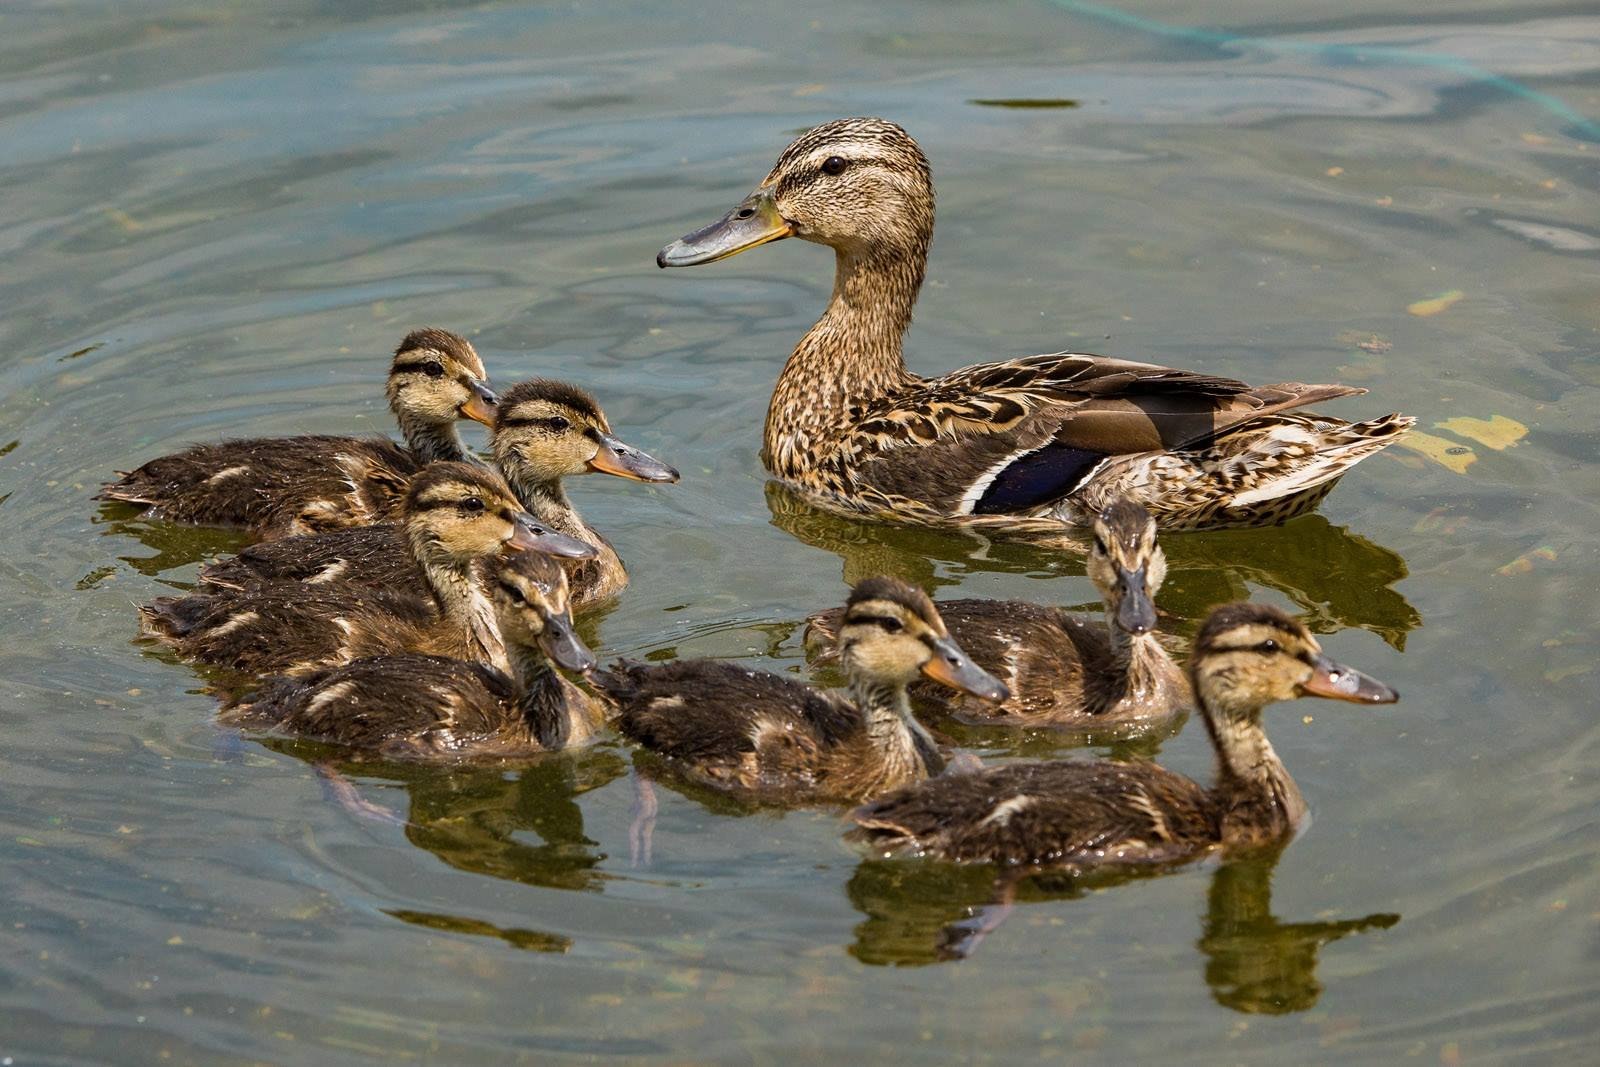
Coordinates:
754 222
1338 682
625 461
950 666
480 404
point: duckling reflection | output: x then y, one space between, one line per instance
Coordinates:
1338 579
926 912
474 818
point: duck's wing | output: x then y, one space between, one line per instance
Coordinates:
1004 438
362 555
1059 813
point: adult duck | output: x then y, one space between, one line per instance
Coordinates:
1027 444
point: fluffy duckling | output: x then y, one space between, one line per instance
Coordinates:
280 486
1081 815
1062 668
770 739
543 431
455 516
1023 445
413 706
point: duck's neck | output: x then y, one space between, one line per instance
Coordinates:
1140 668
1261 800
432 441
463 606
906 750
556 713
851 355
546 500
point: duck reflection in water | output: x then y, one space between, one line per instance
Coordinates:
1338 579
926 912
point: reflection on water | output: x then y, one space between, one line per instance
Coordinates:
1338 579
922 912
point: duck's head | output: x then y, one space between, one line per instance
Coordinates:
1249 655
1127 565
529 592
463 512
437 378
891 633
861 186
546 430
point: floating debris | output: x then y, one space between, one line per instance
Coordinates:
1435 304
1496 432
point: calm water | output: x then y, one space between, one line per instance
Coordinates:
218 220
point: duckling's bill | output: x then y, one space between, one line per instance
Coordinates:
562 644
756 221
951 666
534 536
1337 682
1136 613
480 405
625 461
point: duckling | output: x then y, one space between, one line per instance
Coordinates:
455 516
544 430
547 430
1020 446
1080 815
769 739
281 486
413 706
1061 668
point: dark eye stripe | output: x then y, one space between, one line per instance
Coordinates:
888 622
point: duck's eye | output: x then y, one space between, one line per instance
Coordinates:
512 591
433 369
472 505
1268 647
556 424
1100 545
891 625
834 165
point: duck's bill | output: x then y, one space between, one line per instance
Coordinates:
480 404
1136 614
754 222
625 461
533 536
563 646
1338 682
950 666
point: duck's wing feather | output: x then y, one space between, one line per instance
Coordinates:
362 555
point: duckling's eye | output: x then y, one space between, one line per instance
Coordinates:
472 504
1267 647
891 625
834 165
1100 545
512 591
556 424
433 369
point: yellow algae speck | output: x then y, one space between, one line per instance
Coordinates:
1435 304
1496 432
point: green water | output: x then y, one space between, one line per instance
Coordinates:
218 218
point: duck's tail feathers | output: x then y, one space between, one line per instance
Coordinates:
1337 450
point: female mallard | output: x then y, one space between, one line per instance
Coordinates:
1061 668
543 431
1078 815
281 486
771 739
1026 444
456 515
413 706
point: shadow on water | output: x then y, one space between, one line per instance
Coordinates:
472 818
173 545
1338 579
922 912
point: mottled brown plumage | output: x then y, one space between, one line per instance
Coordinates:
456 515
282 486
1064 669
412 706
1023 445
1081 815
769 739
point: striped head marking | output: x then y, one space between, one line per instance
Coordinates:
891 633
436 378
1127 566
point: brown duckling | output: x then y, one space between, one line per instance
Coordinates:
1079 815
1065 669
280 486
544 431
455 516
771 739
414 706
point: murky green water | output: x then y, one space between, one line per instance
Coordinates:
219 217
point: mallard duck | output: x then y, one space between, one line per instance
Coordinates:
455 515
1080 815
281 486
1024 445
553 430
416 706
766 738
1065 669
